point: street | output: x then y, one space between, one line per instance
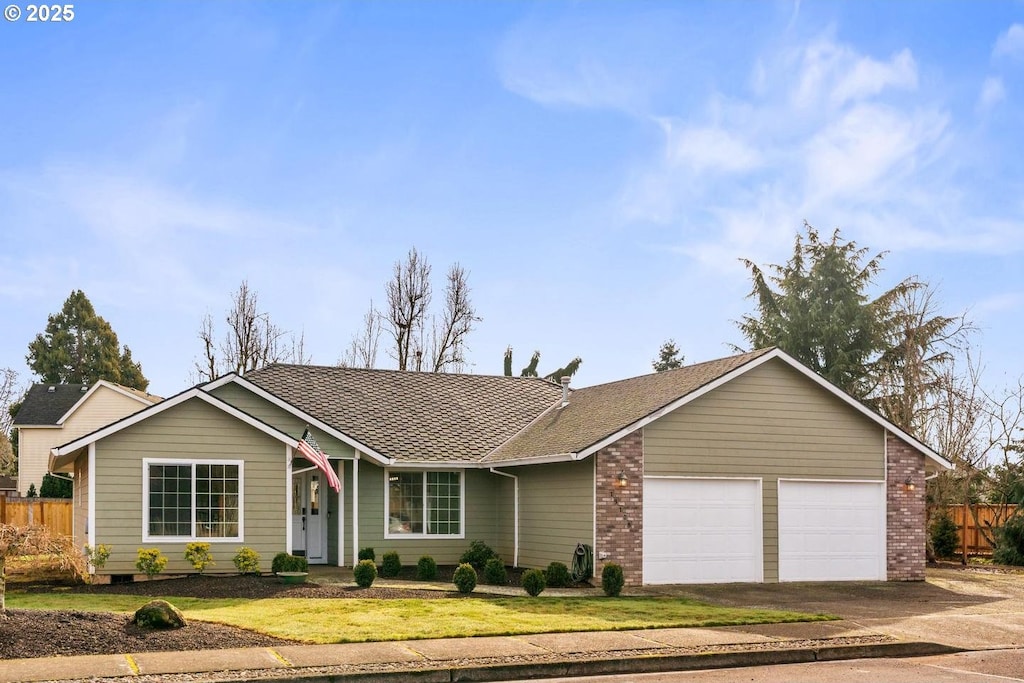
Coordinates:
966 667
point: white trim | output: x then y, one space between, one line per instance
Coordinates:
747 367
439 465
355 510
534 460
192 462
110 385
288 456
515 513
340 471
90 520
833 481
289 408
158 408
388 535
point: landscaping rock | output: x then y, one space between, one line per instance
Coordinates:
158 614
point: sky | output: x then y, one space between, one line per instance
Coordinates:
599 168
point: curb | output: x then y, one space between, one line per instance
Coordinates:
636 665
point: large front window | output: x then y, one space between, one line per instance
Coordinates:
186 500
424 503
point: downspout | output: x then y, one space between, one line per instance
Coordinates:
515 513
355 509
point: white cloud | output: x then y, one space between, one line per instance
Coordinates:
835 74
869 77
992 93
1011 43
708 149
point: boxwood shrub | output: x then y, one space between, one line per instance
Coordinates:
465 578
365 573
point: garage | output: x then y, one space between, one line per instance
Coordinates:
831 531
702 530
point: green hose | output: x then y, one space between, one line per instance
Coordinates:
582 563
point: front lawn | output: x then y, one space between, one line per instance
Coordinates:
317 620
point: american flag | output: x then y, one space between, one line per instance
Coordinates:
310 450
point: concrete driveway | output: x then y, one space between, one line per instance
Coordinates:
972 610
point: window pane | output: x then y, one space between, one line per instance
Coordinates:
214 509
170 500
405 503
443 502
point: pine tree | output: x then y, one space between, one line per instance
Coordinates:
669 357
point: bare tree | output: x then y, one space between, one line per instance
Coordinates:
424 340
362 350
251 340
8 393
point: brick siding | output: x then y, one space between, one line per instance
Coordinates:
905 511
620 537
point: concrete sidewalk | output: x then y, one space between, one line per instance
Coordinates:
490 658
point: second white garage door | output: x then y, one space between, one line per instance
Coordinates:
831 531
702 530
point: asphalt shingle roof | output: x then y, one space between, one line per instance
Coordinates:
599 411
417 416
44 407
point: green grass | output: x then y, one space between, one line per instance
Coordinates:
349 620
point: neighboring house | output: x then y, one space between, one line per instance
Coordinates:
747 468
52 414
8 487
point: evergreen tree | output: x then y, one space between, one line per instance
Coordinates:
568 370
669 357
80 347
55 487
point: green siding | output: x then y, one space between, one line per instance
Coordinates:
482 501
771 422
556 511
192 430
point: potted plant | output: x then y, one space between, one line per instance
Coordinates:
290 568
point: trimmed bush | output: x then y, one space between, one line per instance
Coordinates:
945 538
1010 542
283 562
98 556
557 575
426 569
612 580
494 572
533 582
365 573
198 555
465 578
477 555
367 554
390 565
247 561
151 561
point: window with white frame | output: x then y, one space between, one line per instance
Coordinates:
425 503
186 500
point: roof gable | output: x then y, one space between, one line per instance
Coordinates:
413 416
46 404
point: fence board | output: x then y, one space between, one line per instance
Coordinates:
53 513
989 516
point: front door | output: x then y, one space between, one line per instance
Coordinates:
309 523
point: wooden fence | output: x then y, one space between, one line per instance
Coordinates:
988 516
53 513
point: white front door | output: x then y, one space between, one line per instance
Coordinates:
309 517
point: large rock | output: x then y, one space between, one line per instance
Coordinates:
159 614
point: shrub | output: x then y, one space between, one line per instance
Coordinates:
198 555
98 556
390 564
465 578
533 582
365 573
1010 542
494 572
426 569
557 575
283 562
612 579
247 561
55 487
367 554
31 493
945 538
477 555
151 561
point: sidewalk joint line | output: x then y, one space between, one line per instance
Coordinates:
132 665
279 657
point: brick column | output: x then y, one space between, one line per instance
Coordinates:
905 511
619 509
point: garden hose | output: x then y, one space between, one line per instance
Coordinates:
582 563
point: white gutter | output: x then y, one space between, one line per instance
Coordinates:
515 513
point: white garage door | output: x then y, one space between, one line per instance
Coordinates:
831 531
702 530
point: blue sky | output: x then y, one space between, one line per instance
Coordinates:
599 168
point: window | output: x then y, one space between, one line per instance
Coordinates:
424 503
186 500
